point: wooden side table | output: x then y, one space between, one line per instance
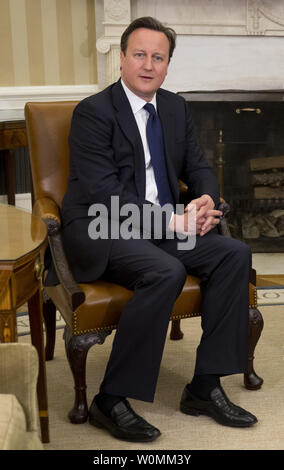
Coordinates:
12 135
22 239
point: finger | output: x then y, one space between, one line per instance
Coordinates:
190 207
210 223
199 202
201 213
209 200
208 214
214 213
200 220
206 230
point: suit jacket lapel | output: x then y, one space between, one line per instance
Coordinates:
129 127
168 125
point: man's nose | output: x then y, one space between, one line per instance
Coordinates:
148 63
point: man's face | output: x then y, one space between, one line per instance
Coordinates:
145 63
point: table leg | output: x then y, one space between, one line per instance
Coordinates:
10 176
36 327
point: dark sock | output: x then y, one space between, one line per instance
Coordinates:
202 385
106 402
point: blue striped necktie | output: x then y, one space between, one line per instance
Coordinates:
155 140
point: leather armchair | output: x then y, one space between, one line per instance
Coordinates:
91 311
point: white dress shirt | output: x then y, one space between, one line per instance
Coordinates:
141 116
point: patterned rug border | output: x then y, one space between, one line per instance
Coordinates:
269 296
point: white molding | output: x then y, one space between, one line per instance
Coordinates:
13 99
116 17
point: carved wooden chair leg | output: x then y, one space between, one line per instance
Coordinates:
49 315
77 348
176 332
251 380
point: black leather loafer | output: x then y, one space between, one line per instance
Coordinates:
218 407
123 423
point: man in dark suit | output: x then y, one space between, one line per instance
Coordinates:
134 141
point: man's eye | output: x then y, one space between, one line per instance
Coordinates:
158 58
139 54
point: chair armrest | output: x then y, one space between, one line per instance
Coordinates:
18 376
48 210
223 227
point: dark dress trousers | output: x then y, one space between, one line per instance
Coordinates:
107 159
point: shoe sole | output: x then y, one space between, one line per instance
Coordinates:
198 412
94 422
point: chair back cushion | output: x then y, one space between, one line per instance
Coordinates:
48 126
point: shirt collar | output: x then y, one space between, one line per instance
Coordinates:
135 101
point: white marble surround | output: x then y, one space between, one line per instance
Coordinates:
221 44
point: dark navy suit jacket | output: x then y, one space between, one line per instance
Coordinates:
107 159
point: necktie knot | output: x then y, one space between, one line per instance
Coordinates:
150 108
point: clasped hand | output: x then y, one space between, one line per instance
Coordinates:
199 217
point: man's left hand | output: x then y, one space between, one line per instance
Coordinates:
206 216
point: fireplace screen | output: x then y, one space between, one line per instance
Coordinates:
242 135
262 222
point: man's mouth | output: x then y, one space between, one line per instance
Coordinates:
145 77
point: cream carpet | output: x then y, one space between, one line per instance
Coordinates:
179 431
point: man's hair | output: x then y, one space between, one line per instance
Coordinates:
149 23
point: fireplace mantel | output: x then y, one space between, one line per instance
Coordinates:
221 44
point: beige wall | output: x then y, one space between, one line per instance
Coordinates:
47 42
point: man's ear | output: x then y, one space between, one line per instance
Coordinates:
122 58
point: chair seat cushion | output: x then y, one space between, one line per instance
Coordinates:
105 301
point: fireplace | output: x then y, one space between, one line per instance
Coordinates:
242 135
